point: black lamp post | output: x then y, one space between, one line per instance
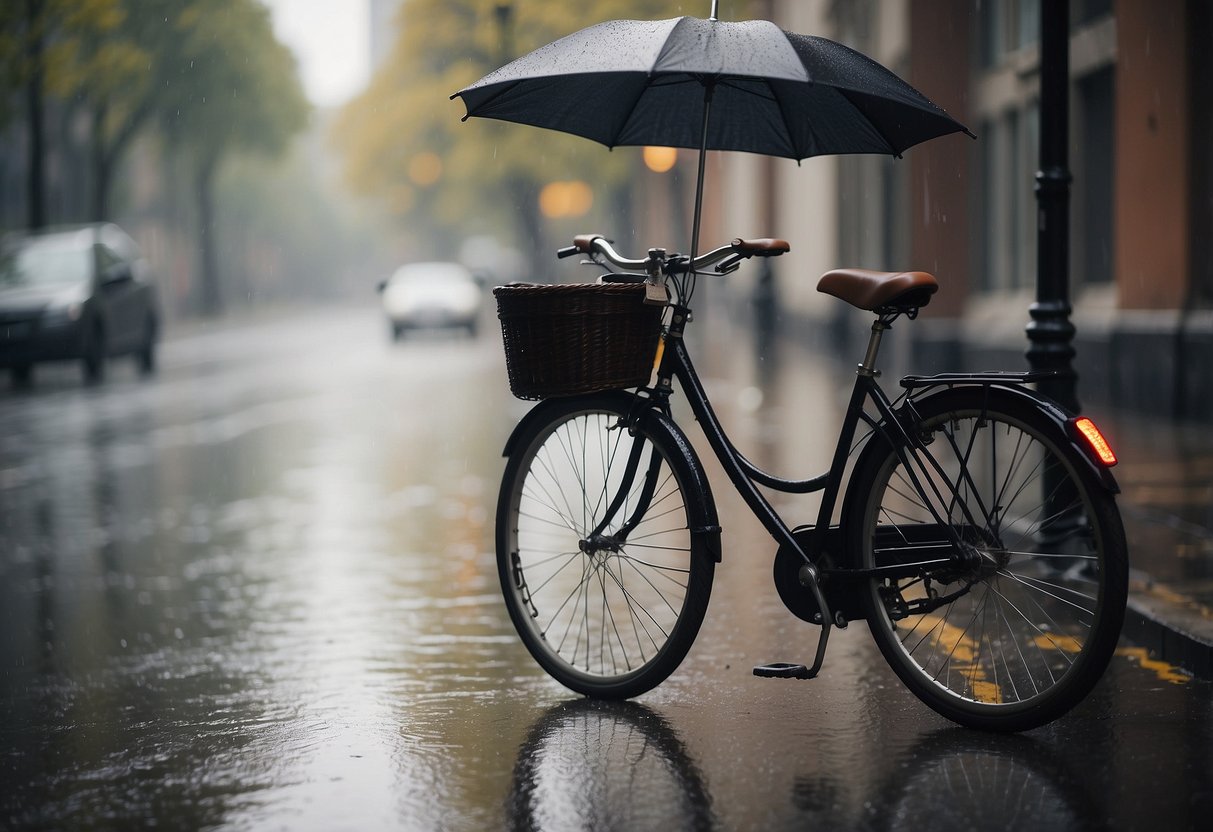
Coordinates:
1050 332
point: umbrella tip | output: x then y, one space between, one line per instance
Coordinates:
715 9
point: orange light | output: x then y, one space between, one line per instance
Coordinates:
565 199
659 159
1095 439
425 169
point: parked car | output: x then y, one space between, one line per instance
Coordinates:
431 295
76 294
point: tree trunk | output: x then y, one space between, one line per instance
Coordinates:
212 299
107 154
36 181
525 196
101 166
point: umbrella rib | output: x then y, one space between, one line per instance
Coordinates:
772 97
875 128
675 81
739 88
502 90
632 108
787 126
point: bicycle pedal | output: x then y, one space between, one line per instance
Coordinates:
784 670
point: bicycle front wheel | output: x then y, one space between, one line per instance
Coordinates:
1020 629
603 577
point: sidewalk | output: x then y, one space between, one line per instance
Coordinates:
1166 502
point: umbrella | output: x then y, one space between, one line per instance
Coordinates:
711 85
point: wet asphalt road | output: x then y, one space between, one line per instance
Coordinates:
258 591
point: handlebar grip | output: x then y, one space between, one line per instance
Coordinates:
762 247
567 251
585 242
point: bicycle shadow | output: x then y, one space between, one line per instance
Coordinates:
591 764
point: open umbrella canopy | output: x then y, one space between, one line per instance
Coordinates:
635 82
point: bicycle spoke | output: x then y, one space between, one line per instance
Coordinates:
1037 583
632 604
1018 650
600 608
989 638
1039 631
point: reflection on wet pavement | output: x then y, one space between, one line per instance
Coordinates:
259 591
1167 476
606 765
242 582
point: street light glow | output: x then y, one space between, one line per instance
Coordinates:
425 169
566 199
660 159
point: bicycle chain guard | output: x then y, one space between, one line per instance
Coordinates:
841 595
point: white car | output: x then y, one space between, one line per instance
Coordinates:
431 296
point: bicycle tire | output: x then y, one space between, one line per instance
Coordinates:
1022 633
613 619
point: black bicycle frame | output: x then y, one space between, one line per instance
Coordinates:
746 476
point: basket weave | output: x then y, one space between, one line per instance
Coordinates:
577 338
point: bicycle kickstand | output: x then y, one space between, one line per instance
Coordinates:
788 670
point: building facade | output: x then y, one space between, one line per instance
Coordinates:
1141 277
1141 217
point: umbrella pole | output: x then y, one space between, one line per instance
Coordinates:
703 148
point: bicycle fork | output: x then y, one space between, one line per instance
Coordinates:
597 540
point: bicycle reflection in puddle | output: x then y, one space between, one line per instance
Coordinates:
588 764
597 765
953 777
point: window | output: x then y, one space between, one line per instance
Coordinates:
1006 26
1007 199
1006 94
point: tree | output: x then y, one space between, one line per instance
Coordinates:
229 86
105 56
402 139
22 38
82 53
208 73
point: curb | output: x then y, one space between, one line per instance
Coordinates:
1174 630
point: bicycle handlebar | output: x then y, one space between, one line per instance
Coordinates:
725 258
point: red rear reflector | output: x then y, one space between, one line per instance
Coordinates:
1103 451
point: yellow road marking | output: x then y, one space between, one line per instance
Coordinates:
1056 641
1165 672
986 692
952 640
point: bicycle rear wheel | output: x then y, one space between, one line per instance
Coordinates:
602 575
1022 631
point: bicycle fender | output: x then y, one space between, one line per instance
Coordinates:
701 506
1057 417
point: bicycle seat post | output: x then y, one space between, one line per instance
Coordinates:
867 367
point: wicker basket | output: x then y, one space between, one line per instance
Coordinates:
577 338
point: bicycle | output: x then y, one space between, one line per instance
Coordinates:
978 536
